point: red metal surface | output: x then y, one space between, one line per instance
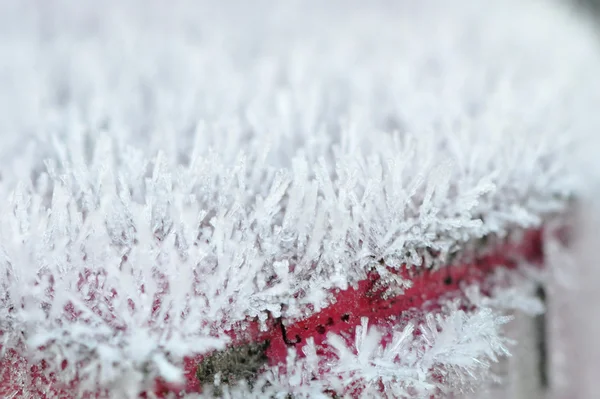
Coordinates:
340 317
351 305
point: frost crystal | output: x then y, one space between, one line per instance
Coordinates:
451 353
170 170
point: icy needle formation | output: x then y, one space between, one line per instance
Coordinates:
170 170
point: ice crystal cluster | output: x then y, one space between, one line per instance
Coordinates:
169 169
451 353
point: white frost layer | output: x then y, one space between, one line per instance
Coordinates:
234 159
452 354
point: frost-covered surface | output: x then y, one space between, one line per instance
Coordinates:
450 354
231 159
